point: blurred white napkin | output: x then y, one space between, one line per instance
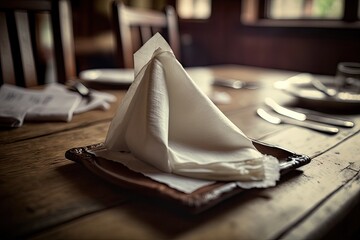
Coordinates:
98 100
17 104
166 122
54 103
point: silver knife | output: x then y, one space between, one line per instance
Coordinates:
235 84
276 120
302 117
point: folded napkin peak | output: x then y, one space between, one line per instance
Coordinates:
167 122
145 53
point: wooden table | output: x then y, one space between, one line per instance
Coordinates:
46 196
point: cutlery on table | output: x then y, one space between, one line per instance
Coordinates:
80 88
322 88
235 84
276 120
309 116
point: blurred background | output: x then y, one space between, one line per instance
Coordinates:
300 35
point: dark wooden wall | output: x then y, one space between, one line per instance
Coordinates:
224 39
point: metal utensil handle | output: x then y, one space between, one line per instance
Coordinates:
314 126
294 161
331 121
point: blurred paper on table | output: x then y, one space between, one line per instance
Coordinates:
18 104
167 123
13 106
54 103
98 100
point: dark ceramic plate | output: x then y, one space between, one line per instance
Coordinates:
194 202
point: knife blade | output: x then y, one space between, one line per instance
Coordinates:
314 126
302 117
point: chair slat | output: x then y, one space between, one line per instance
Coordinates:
23 61
145 33
26 50
145 17
133 27
62 22
174 39
6 59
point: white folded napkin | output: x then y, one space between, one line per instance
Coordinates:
166 122
54 103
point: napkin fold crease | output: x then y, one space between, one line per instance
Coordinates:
166 121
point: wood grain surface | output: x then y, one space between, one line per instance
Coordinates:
45 196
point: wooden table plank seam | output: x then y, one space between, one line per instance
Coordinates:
335 145
88 124
330 204
316 207
44 229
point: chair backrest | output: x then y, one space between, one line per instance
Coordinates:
133 27
19 40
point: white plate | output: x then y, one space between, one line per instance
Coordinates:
300 87
108 76
203 77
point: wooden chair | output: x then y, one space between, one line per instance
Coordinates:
19 40
133 27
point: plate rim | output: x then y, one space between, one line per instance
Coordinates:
119 81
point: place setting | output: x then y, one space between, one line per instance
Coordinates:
331 93
214 86
179 119
308 119
324 104
168 140
53 103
